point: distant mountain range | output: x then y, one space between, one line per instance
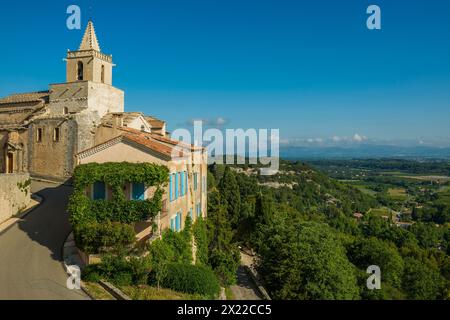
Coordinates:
364 151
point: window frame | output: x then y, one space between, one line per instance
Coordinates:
56 134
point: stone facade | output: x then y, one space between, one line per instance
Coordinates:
40 132
14 194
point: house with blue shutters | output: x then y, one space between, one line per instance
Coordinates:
185 193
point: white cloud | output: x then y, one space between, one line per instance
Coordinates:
359 138
214 122
336 139
221 121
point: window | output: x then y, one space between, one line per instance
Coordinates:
172 223
138 191
10 163
195 181
99 190
66 110
176 222
56 135
191 215
103 74
80 71
199 212
39 134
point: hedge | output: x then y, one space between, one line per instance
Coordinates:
191 279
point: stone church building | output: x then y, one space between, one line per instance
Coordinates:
47 133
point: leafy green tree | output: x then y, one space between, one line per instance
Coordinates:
421 282
305 261
224 256
229 191
161 254
428 235
372 251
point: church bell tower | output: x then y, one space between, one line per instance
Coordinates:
88 63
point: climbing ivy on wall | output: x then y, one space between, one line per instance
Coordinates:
24 186
85 213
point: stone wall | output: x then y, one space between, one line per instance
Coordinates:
13 198
49 157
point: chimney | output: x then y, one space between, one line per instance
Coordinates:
117 120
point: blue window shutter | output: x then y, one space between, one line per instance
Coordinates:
138 191
187 181
177 222
190 214
182 183
99 190
171 187
176 186
172 224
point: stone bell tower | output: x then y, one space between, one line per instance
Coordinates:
88 63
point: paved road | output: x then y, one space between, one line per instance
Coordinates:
244 289
30 251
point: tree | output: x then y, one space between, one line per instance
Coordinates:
224 256
161 254
229 191
427 234
420 281
305 260
372 251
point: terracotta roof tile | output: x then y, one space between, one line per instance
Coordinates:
162 139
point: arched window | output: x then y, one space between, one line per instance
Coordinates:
103 74
80 71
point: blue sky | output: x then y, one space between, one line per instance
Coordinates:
310 68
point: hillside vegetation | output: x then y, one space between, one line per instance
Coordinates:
302 225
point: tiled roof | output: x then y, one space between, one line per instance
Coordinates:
161 139
154 145
141 140
26 97
154 122
127 117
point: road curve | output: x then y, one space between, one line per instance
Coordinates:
31 251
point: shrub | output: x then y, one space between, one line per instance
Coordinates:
92 236
201 241
122 279
181 245
90 273
191 279
161 254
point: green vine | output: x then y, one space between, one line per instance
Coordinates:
86 214
24 186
